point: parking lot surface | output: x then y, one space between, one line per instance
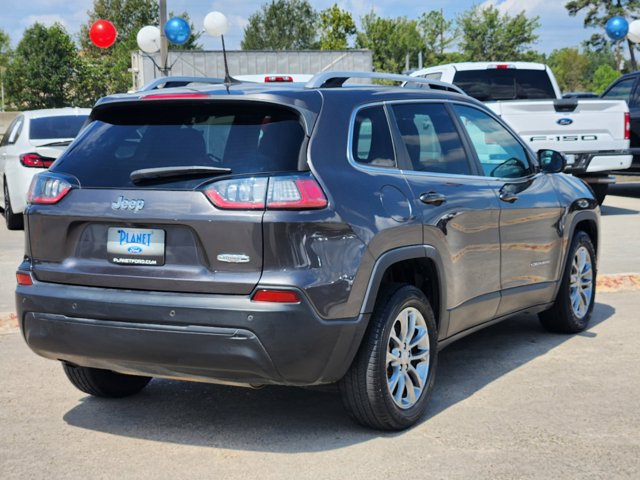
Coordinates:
511 401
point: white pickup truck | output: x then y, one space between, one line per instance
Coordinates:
593 134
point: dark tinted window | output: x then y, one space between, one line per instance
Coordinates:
66 126
505 84
621 90
431 139
372 143
500 154
246 138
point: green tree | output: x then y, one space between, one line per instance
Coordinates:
336 26
105 71
570 68
438 34
282 25
488 35
602 78
42 69
598 12
390 40
5 49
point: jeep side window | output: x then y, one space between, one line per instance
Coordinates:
431 139
500 154
621 90
371 143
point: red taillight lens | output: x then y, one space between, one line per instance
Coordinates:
47 189
276 296
627 126
24 279
278 78
33 160
278 192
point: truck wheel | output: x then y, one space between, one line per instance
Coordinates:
599 191
14 221
573 306
104 383
389 382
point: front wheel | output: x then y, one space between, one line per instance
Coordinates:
388 384
573 306
104 383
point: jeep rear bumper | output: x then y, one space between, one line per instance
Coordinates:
215 338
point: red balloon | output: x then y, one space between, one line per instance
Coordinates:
102 33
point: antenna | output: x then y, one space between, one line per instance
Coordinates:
216 24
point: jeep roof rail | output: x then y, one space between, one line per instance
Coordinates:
337 79
170 82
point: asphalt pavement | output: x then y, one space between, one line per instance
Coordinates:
511 401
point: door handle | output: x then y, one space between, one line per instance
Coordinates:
508 197
433 198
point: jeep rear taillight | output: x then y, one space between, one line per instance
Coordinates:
289 192
47 189
627 125
33 160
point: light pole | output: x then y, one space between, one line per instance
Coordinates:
164 44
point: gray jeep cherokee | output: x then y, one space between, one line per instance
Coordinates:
252 234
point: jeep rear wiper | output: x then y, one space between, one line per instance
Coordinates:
144 174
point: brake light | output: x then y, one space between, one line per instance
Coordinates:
278 192
169 96
47 189
276 296
24 279
627 126
33 160
501 66
278 78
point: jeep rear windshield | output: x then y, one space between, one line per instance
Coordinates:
505 84
245 138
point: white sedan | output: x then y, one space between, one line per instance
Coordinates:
31 144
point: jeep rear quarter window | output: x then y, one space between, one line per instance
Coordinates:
246 138
495 84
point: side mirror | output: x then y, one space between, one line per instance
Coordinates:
551 161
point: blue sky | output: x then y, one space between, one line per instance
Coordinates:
558 28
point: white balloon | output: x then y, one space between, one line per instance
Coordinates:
149 39
216 24
634 31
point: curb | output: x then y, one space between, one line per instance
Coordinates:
608 283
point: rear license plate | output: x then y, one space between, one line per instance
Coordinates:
135 246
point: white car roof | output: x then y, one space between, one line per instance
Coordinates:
479 66
56 112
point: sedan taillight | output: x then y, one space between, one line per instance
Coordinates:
33 160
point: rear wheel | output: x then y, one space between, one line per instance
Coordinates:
104 383
14 221
573 306
388 384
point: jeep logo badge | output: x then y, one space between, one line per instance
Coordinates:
564 121
126 204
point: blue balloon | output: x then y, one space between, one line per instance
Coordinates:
177 30
617 28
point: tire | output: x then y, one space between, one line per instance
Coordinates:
14 221
572 309
374 390
599 191
104 383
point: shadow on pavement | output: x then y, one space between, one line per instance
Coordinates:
290 420
608 211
